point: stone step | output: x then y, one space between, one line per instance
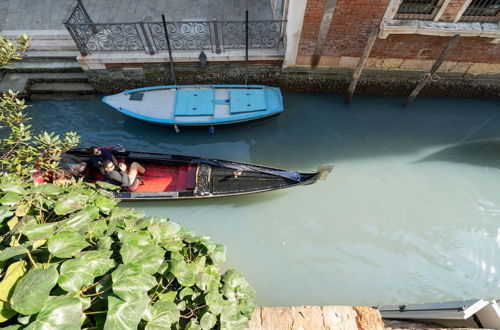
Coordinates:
41 66
14 82
53 45
40 55
38 34
61 88
20 81
63 77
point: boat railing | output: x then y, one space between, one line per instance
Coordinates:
216 36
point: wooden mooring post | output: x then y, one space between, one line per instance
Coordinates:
361 64
428 76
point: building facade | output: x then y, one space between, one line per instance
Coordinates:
411 34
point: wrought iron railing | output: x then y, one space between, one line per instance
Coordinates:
482 11
418 9
149 37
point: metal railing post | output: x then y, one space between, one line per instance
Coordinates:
87 16
148 43
216 37
76 39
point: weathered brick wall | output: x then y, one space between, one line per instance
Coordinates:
451 11
310 27
419 47
351 25
352 22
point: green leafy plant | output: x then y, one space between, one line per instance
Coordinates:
71 258
12 50
21 152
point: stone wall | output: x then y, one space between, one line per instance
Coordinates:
316 317
118 77
374 80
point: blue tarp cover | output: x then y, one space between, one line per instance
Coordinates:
194 102
247 100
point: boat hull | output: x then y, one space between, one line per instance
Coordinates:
199 105
179 177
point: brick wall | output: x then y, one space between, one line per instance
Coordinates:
310 27
419 47
352 22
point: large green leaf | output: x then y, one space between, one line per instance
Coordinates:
233 281
36 231
125 315
81 218
169 230
12 276
207 281
59 313
208 321
130 282
33 289
96 229
5 212
139 250
208 244
105 204
107 186
47 189
215 302
183 271
164 315
80 272
70 202
12 251
125 217
12 187
66 244
219 254
10 199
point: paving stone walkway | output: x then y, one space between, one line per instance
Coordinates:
50 14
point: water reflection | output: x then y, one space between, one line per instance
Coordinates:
410 213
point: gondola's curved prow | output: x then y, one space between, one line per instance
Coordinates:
176 177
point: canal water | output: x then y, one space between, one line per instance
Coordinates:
410 214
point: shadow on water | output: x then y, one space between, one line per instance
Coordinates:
232 201
314 129
479 153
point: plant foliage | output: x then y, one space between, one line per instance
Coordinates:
21 151
71 258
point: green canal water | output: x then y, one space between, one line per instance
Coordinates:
411 212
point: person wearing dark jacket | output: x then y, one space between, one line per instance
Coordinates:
99 156
119 176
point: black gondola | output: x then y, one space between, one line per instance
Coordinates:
173 177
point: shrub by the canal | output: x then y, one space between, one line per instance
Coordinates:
71 258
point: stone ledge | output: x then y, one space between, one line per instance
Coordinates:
464 29
389 64
99 60
316 317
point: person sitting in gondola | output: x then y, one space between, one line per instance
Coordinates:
119 176
62 176
99 155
